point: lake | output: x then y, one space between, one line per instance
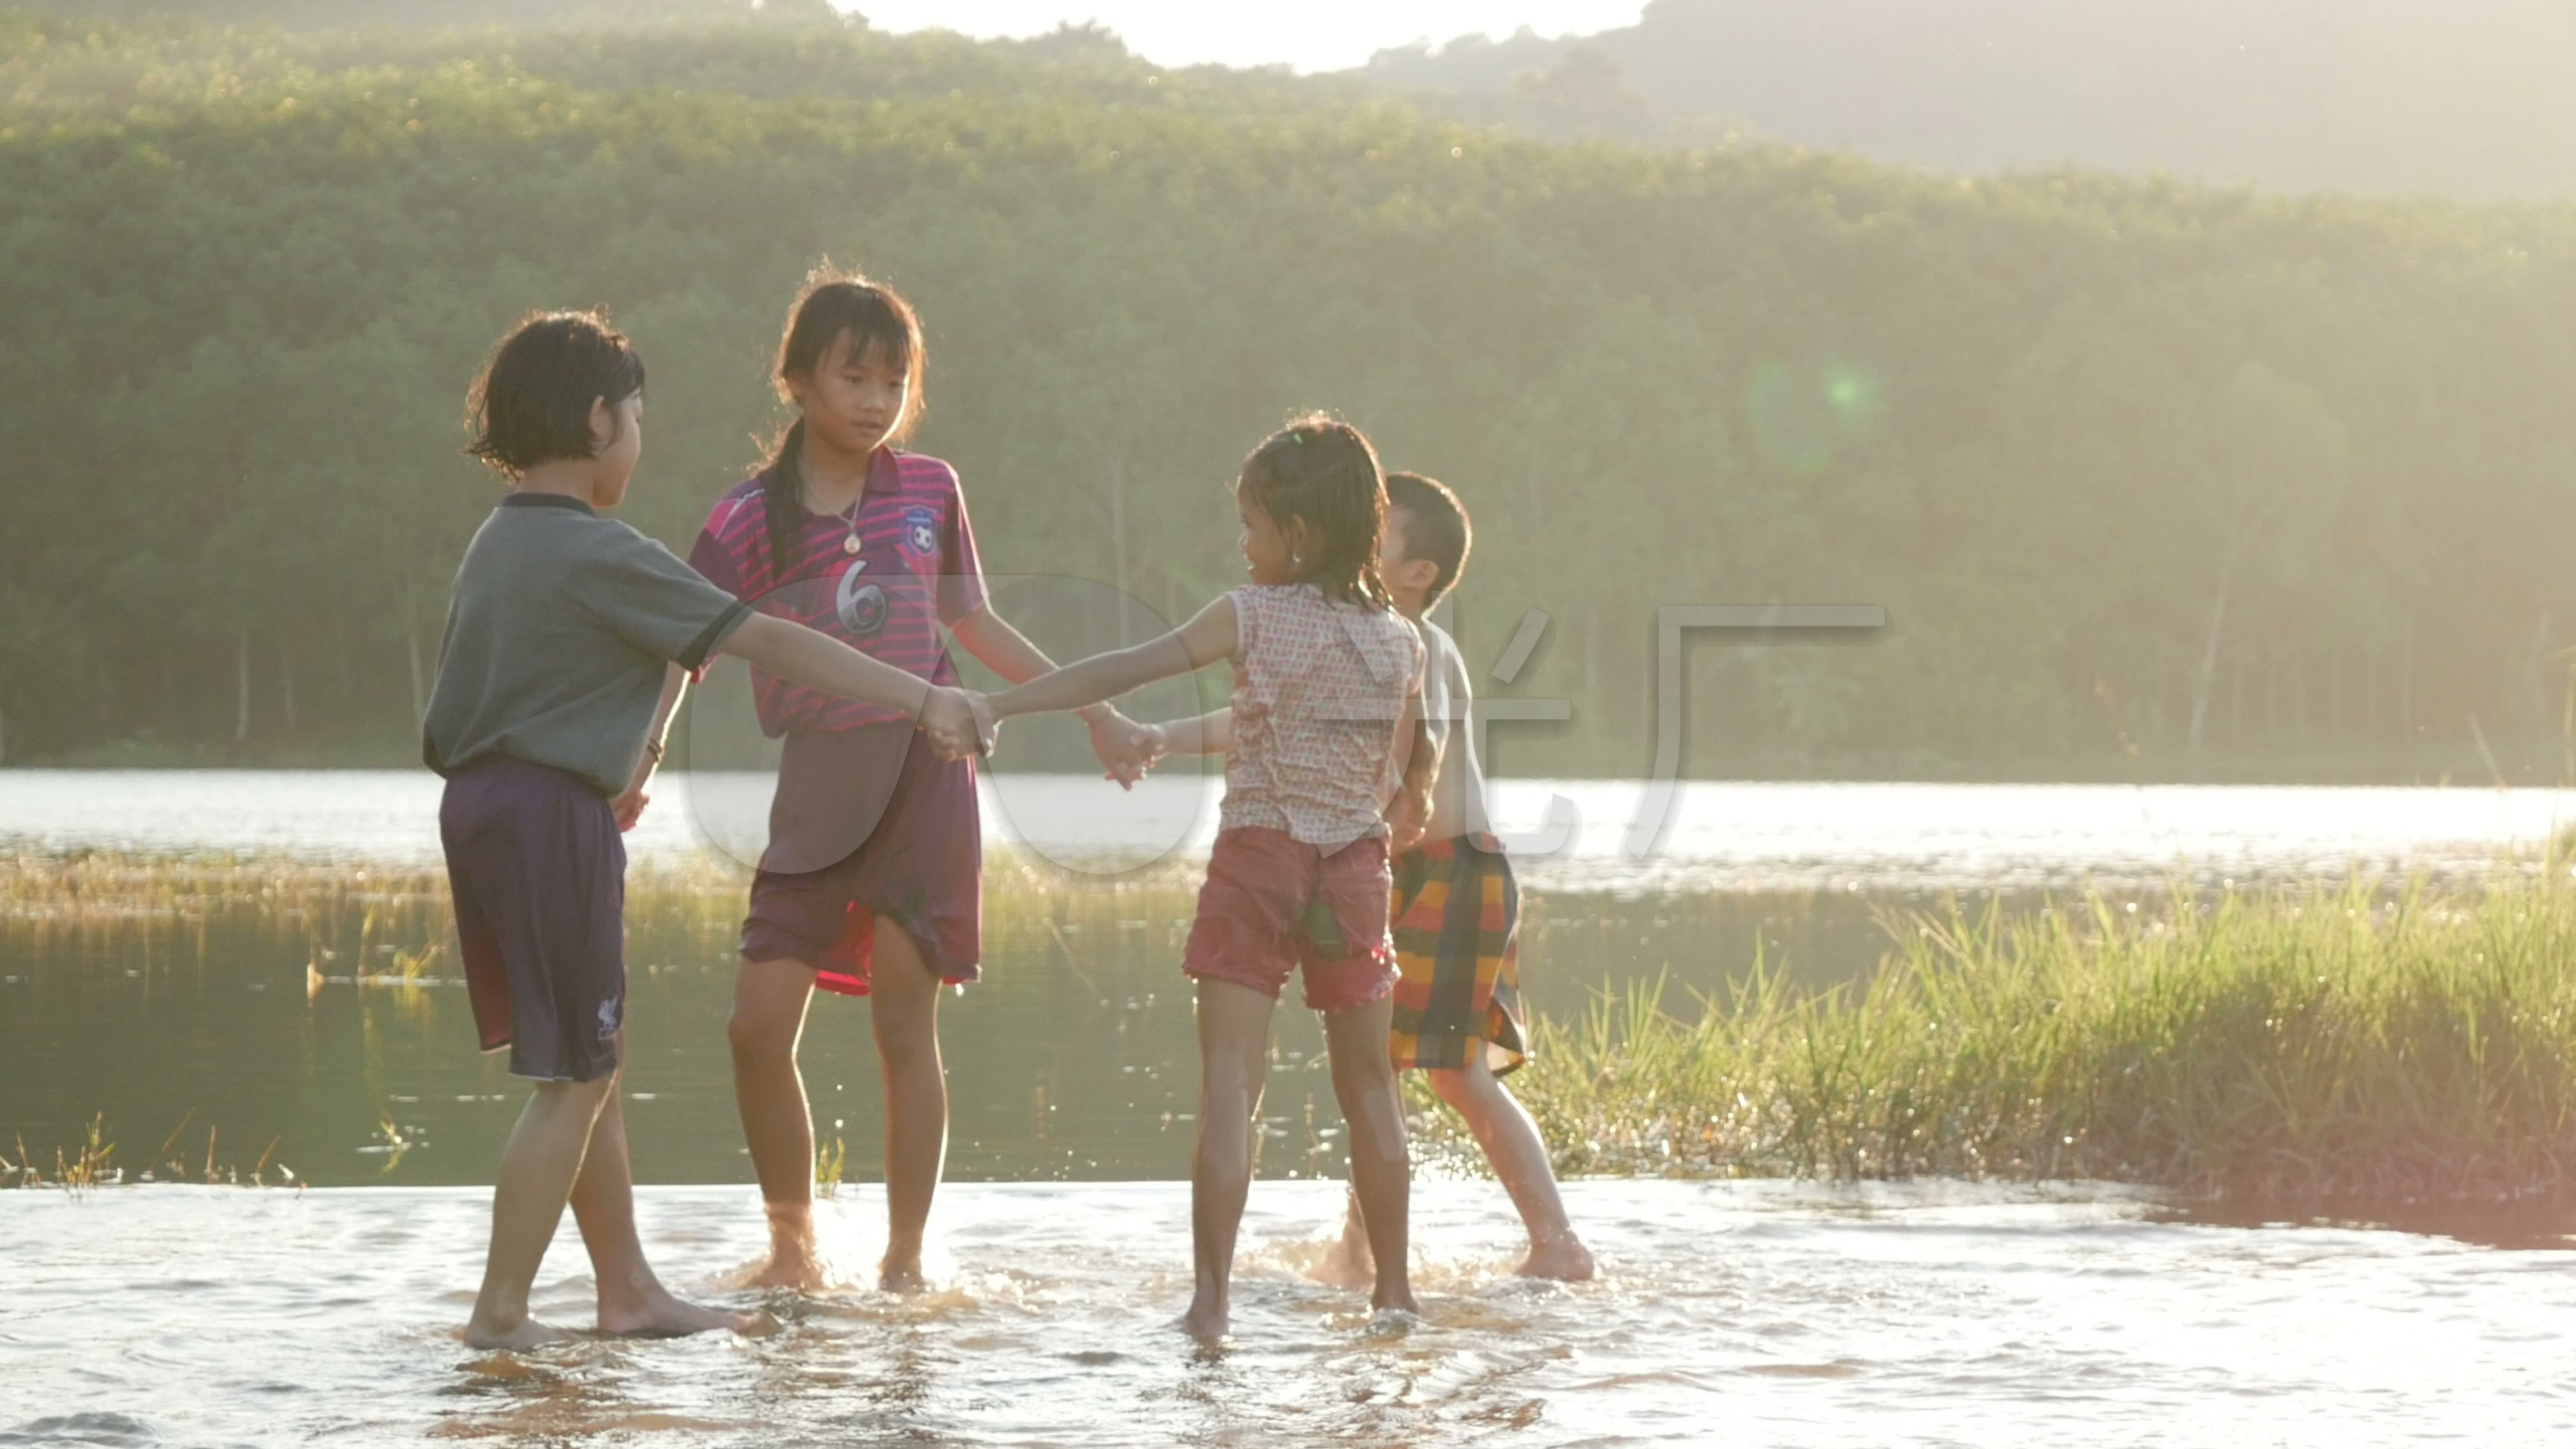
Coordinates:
1744 1313
1075 1058
320 1027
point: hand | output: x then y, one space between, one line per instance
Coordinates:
628 807
959 724
1154 740
628 804
1125 749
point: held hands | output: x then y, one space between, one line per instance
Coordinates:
959 722
1126 749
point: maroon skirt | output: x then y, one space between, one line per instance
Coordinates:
869 822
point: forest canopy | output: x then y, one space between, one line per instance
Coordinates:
2154 480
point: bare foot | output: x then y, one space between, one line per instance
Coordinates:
1345 1264
1205 1321
660 1315
902 1275
1399 1301
517 1337
795 1267
1565 1260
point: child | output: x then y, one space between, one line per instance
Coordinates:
1457 907
557 637
875 852
1327 685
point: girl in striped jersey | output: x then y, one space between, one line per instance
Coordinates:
872 881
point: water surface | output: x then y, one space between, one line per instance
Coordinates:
1737 1313
1716 835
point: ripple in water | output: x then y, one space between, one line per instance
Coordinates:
1774 1313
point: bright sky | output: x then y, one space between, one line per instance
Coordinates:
1308 34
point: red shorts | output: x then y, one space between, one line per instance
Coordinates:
1274 904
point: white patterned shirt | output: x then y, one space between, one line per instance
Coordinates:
1319 689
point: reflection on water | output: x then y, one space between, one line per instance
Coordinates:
1074 1059
1758 1313
1720 836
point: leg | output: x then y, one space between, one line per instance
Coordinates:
769 1001
1381 1173
537 1170
1234 1041
1511 1142
1348 1263
632 1299
904 1008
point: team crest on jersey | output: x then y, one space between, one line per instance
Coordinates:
920 532
859 605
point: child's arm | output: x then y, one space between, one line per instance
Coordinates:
1202 641
1410 811
1209 734
1007 652
818 661
629 807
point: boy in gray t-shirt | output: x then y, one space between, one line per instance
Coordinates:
558 637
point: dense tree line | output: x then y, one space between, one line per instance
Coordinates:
2154 479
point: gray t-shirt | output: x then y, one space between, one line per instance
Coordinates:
1458 795
556 639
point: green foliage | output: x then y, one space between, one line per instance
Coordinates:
2312 1046
246 273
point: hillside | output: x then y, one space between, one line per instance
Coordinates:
2469 98
2155 480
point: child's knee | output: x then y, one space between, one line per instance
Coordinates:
1451 1086
1360 1075
756 1035
1465 1088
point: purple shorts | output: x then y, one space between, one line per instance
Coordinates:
900 836
539 876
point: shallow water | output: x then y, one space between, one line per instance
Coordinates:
1074 1058
1715 836
1743 1313
1753 1313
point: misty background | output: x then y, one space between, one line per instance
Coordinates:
2190 381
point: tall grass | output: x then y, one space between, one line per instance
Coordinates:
2357 1043
2311 1045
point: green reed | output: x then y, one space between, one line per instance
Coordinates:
2318 1044
2363 1042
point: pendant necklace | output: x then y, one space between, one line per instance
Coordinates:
850 542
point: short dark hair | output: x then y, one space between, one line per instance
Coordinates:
1435 526
531 404
1324 471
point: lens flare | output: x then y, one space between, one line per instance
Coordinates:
1803 417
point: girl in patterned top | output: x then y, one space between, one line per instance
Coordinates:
1328 729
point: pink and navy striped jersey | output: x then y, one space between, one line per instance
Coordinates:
915 570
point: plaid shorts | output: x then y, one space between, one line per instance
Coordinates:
1457 913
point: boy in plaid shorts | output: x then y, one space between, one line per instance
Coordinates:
1458 1014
